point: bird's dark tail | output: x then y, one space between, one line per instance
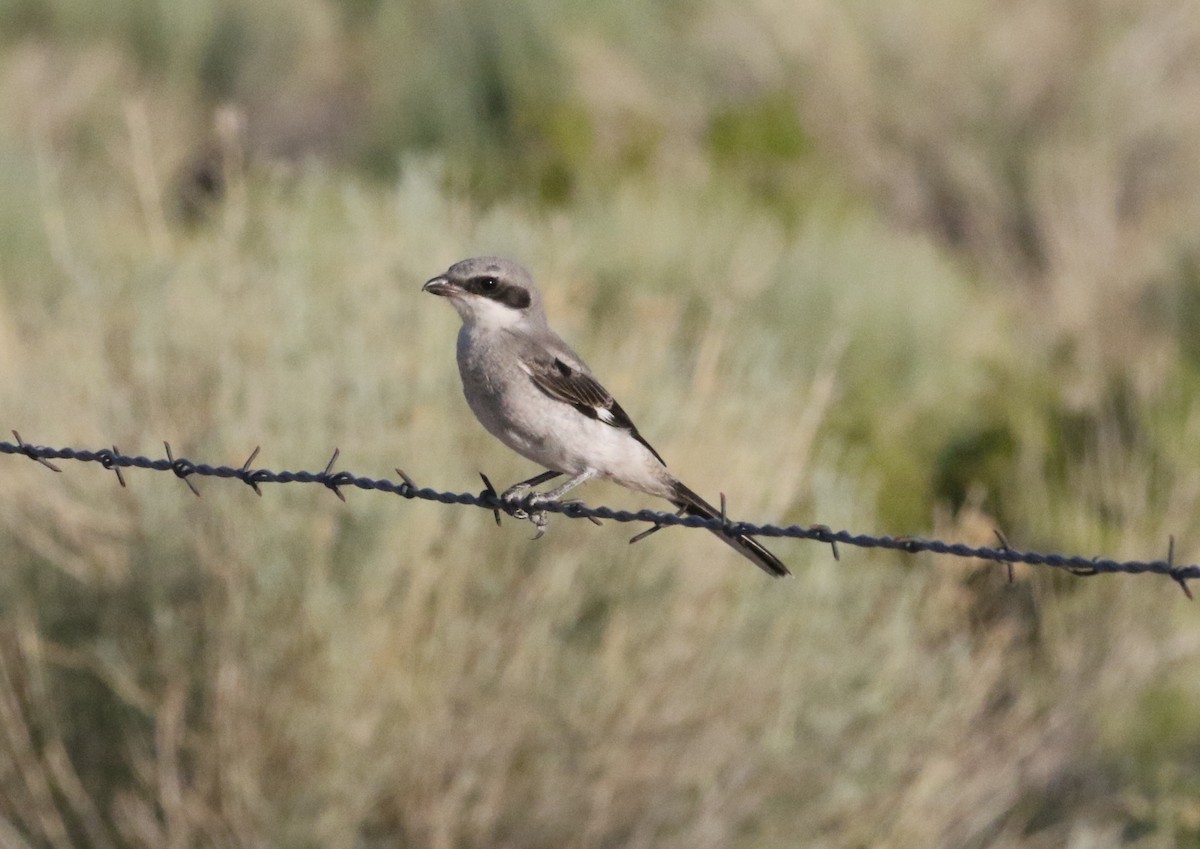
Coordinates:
750 548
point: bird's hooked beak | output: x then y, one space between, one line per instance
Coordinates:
441 286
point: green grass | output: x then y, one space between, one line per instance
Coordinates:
834 297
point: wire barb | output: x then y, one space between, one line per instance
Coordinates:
1085 571
641 535
182 469
109 461
655 528
1012 579
333 481
824 533
407 480
1176 576
577 509
489 492
185 469
247 474
31 452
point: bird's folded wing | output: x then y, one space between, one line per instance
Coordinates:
568 384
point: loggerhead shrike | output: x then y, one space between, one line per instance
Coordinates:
534 394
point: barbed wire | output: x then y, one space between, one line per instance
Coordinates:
489 499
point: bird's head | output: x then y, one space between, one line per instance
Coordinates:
489 291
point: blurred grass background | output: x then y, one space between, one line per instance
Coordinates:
911 267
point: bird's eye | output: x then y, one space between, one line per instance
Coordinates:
488 284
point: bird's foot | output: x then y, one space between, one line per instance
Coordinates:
517 490
514 500
514 495
522 508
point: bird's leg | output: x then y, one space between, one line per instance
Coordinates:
563 488
538 517
517 489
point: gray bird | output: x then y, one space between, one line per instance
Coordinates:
534 394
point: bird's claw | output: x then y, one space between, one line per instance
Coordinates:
540 520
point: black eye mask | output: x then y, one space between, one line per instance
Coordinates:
505 293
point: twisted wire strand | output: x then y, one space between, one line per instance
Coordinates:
186 469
